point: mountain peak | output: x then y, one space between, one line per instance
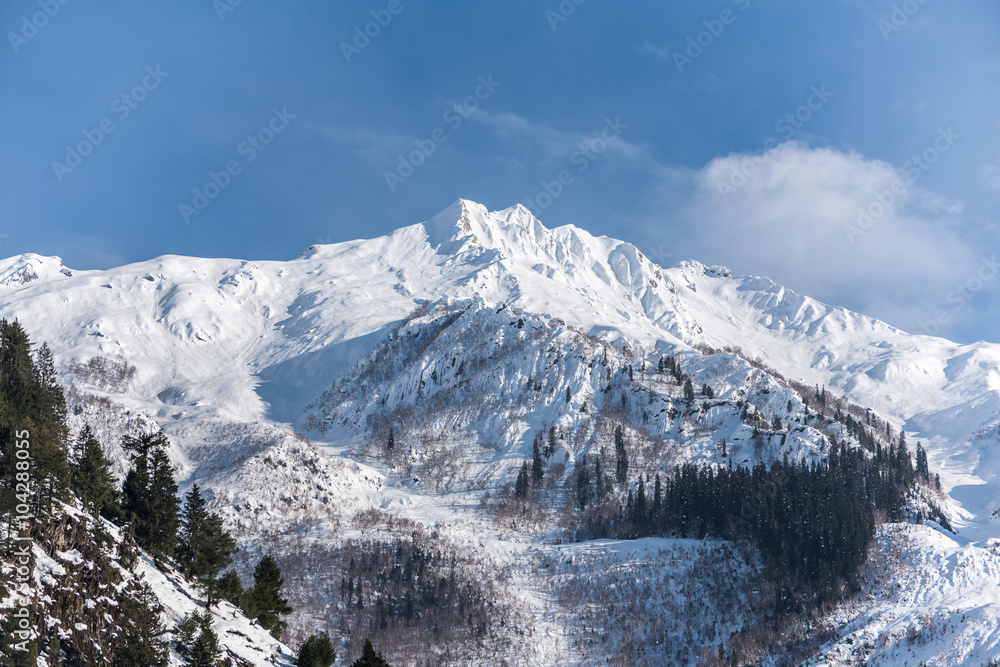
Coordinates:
467 223
29 267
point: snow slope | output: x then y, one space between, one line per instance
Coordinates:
221 345
259 340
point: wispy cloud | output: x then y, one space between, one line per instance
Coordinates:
557 144
650 49
790 221
373 146
991 176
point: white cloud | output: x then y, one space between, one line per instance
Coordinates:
800 219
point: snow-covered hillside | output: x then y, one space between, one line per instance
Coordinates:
469 335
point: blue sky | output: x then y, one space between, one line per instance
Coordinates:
743 133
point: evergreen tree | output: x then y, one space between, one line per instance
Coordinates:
128 550
707 391
521 486
190 538
640 503
317 651
164 503
657 499
369 658
138 629
621 467
196 643
923 472
18 650
537 464
204 547
599 478
688 392
391 444
32 423
551 448
149 494
568 395
582 483
228 587
92 480
264 602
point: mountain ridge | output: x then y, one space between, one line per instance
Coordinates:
470 334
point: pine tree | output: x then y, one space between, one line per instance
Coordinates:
688 392
18 650
264 602
228 587
49 446
128 550
139 629
568 395
599 478
657 499
204 547
582 483
317 651
391 444
923 472
521 485
190 538
537 464
551 448
196 643
32 420
369 658
92 480
149 495
164 503
640 503
621 467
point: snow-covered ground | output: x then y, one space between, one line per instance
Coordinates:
229 354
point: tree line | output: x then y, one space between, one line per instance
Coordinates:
146 505
813 523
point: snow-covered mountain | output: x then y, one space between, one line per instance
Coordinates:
469 334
